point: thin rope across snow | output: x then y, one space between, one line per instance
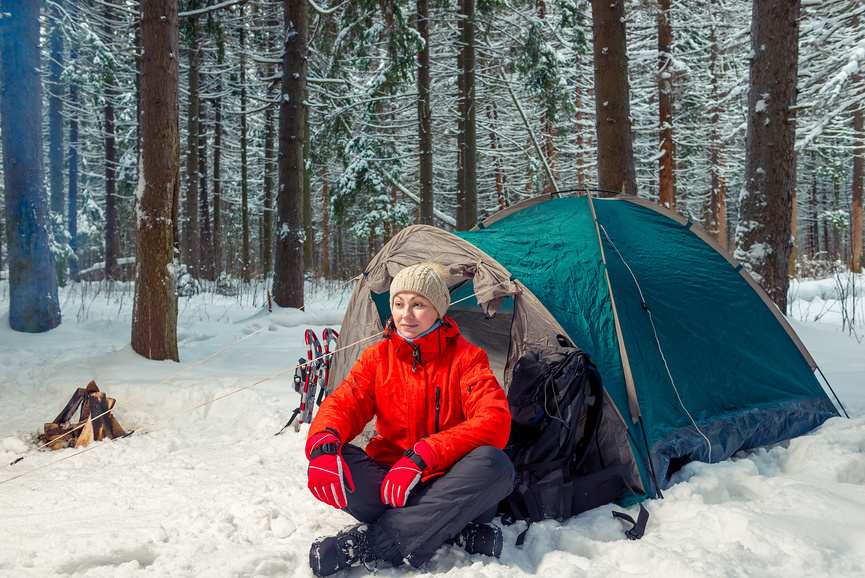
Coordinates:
185 411
151 425
179 373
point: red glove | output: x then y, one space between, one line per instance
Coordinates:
327 472
406 473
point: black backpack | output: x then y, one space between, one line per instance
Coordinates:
556 401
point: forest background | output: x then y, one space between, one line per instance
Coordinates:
295 138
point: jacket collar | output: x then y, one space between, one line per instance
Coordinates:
424 348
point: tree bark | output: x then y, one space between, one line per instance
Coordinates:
325 226
666 179
763 242
207 268
55 111
470 138
112 235
856 262
813 211
580 126
288 268
460 216
154 317
72 198
34 306
191 233
856 220
492 115
616 170
424 115
244 168
269 170
715 213
308 233
217 181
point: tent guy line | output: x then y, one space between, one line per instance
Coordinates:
179 373
182 412
658 341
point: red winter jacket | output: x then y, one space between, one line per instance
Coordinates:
441 387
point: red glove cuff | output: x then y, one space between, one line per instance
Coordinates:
318 440
422 450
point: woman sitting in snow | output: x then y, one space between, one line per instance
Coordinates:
435 472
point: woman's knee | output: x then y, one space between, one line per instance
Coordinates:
493 458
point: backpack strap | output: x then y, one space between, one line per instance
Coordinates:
594 408
639 527
521 539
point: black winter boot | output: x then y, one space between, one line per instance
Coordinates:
351 547
480 539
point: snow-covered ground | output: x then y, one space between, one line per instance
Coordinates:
212 491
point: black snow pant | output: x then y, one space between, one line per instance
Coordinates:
435 510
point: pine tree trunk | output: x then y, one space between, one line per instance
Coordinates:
219 263
856 260
470 138
814 225
765 206
308 234
154 317
207 267
424 114
616 170
288 269
340 254
244 168
325 227
715 217
492 115
34 306
72 197
191 232
666 182
112 236
461 125
269 170
550 153
55 111
580 127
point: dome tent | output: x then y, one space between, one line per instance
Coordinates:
691 349
705 368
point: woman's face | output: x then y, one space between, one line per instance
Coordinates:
412 313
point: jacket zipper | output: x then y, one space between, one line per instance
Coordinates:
438 407
417 359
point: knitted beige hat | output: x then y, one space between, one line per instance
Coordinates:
427 279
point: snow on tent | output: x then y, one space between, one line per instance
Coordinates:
696 361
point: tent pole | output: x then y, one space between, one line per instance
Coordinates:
829 385
633 402
647 459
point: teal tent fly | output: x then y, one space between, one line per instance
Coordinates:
692 351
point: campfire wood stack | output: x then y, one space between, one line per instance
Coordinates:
94 423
